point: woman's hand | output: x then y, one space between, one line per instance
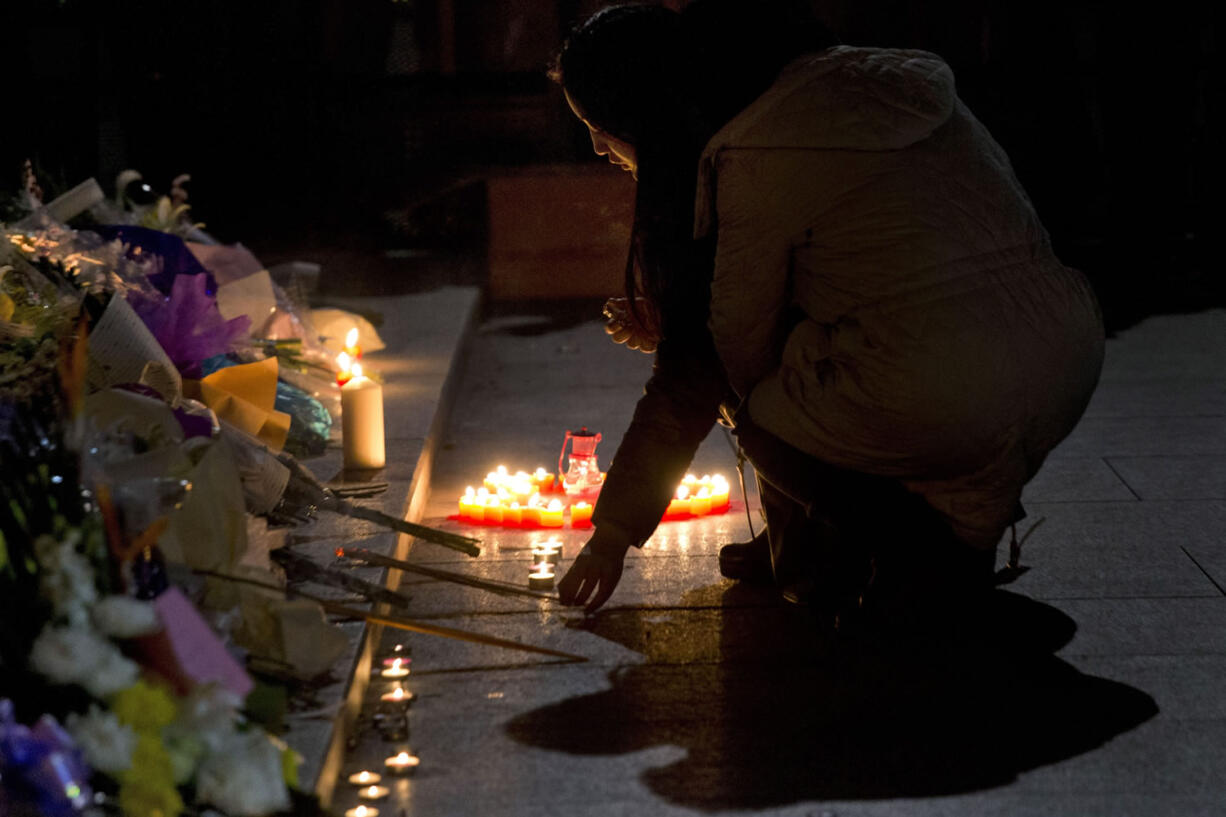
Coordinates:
595 573
621 326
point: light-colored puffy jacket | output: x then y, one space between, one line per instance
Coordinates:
884 293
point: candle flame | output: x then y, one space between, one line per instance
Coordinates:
357 370
555 505
351 339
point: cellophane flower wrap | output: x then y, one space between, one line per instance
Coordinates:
187 323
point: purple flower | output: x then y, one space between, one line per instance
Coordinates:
188 324
44 763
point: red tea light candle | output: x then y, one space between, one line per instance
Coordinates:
373 792
551 515
720 491
399 695
497 479
401 764
543 479
513 514
470 507
365 778
520 490
540 577
493 511
399 669
581 515
680 504
700 504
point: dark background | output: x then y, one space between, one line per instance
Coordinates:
309 122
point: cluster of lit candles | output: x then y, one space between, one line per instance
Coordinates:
394 668
699 496
521 499
518 500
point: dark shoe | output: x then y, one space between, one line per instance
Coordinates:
748 561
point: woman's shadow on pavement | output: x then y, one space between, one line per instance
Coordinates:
778 712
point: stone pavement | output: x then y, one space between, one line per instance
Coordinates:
1093 685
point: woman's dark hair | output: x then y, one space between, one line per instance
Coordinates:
665 82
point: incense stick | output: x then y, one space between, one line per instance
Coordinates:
399 622
494 586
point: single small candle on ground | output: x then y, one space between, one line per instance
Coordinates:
549 551
373 792
397 695
365 778
398 669
362 811
362 421
541 576
403 763
580 515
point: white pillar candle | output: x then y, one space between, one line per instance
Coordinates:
362 421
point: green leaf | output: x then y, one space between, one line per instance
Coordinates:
267 705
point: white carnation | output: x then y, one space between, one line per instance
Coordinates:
66 655
75 655
67 579
106 743
244 777
113 673
210 714
125 617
